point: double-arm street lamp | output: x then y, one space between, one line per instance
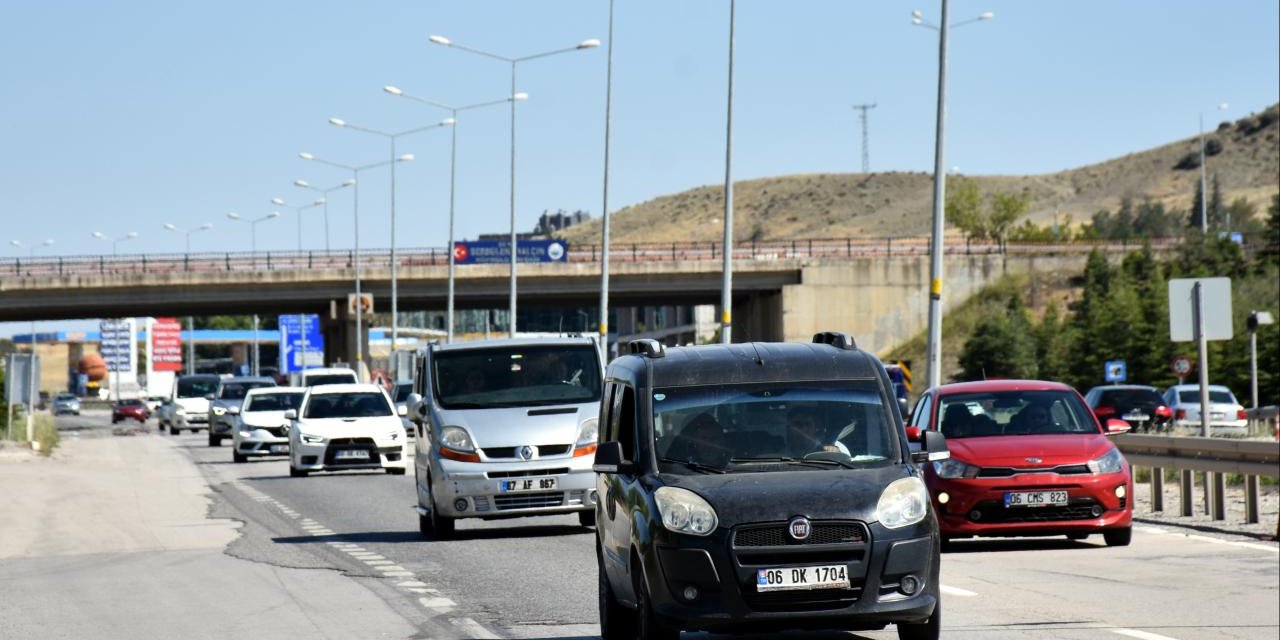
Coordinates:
453 164
939 191
298 209
391 137
1204 193
355 183
253 239
585 44
324 199
187 232
115 241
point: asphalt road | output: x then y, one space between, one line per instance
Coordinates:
535 577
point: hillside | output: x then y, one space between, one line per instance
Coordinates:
896 203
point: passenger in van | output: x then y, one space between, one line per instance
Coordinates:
702 441
807 434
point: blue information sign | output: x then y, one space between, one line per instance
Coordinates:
499 251
301 343
1115 371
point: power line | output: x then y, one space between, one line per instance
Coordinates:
866 152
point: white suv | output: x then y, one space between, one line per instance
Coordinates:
345 426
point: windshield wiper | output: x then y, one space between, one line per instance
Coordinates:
696 466
789 460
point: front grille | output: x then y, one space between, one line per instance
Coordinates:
498 453
777 536
526 474
1005 472
812 600
995 512
528 500
348 444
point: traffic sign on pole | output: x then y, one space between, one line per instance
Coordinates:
1115 371
1181 366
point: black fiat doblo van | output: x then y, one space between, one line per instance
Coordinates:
757 487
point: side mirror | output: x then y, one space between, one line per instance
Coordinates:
233 410
934 448
402 410
1116 427
609 459
913 433
904 408
291 414
413 405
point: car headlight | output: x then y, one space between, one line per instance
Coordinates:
585 445
218 411
684 511
953 468
310 439
904 502
245 434
1111 462
456 438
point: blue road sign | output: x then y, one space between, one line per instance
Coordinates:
301 343
499 251
1115 371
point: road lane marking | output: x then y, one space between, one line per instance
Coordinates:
1233 543
956 591
438 602
474 629
378 563
1141 635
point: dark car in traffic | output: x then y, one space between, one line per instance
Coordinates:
760 486
1028 458
133 409
1141 406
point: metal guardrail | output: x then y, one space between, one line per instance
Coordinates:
58 266
1213 456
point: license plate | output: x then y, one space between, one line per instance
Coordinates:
527 484
1217 416
281 448
1137 417
351 454
835 576
1035 498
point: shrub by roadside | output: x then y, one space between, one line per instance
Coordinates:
44 430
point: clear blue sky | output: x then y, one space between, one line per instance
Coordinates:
121 116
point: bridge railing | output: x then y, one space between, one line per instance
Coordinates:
206 262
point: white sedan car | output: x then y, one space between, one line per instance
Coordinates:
345 426
1226 414
260 428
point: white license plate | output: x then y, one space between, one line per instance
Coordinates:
351 454
279 448
1035 498
527 484
835 576
1137 417
1217 416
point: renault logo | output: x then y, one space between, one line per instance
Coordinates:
799 528
526 452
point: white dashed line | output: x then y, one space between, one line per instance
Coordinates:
378 563
956 591
1141 635
438 602
473 629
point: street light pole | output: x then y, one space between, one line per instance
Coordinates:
939 194
115 241
324 199
604 206
726 285
253 239
391 137
187 232
1204 193
453 166
355 185
585 44
279 202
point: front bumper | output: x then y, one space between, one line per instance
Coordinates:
1216 428
477 485
724 574
975 506
191 420
221 425
330 455
260 442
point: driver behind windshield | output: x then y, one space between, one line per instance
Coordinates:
806 434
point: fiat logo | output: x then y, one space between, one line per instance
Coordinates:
799 528
526 452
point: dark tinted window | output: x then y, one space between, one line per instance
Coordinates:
330 378
196 387
516 376
997 413
275 402
403 390
348 405
1193 396
237 390
1129 397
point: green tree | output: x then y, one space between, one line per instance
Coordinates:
1217 212
1193 214
1005 210
1052 344
1270 252
1001 346
964 209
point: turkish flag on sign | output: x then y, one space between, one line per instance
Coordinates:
460 252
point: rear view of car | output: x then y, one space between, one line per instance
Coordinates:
261 428
345 426
330 375
1140 406
1226 414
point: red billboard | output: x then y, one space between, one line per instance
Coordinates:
166 345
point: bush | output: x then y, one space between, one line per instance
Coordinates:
46 433
1212 147
1188 162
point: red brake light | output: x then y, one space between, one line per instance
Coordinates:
1163 411
1104 411
1240 415
1181 414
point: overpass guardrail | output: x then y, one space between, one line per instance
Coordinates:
54 266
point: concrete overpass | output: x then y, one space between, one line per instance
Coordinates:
872 288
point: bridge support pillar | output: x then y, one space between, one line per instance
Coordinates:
339 329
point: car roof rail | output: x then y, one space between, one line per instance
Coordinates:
837 339
647 347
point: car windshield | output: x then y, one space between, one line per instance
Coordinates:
130 403
772 427
517 376
1003 413
275 401
196 387
64 396
1192 396
330 378
237 390
1125 398
348 405
403 389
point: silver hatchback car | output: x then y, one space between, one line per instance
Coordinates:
505 428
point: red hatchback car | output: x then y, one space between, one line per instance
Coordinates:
129 409
1028 458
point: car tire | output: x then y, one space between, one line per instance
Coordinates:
617 622
587 518
238 457
215 441
1077 536
930 629
395 471
946 545
435 526
1118 537
297 473
648 627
